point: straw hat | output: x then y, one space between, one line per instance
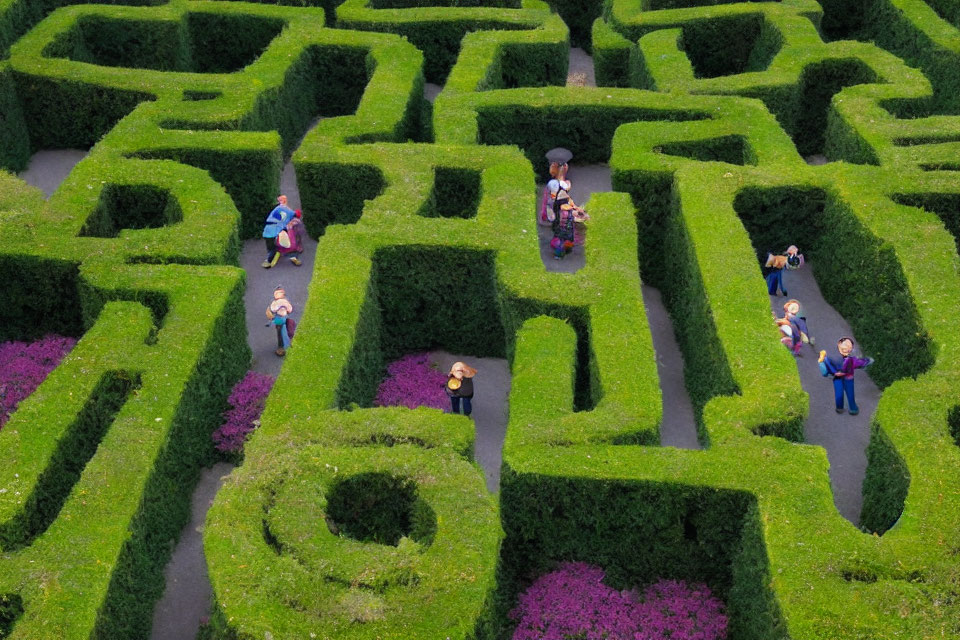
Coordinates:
465 371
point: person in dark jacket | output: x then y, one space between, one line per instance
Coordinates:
842 371
460 387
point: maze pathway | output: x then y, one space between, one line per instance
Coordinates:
186 597
492 388
698 131
47 169
844 437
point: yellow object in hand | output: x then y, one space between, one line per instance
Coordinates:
823 355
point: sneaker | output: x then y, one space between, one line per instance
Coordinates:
281 352
839 409
265 264
276 259
296 261
854 412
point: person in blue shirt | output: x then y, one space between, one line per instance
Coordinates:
276 222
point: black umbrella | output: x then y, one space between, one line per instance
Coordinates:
559 154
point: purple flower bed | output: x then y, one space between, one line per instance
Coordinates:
24 365
572 602
413 382
246 404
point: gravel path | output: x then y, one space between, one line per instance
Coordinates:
261 283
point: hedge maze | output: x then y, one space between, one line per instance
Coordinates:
705 111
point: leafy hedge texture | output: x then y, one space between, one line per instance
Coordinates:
705 113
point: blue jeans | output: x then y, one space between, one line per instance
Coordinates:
774 280
455 401
283 338
839 386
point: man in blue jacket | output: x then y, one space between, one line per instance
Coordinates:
276 222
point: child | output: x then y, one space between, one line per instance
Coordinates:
277 313
558 172
776 264
790 335
791 311
842 372
460 387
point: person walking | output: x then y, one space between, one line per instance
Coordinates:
276 222
460 387
842 372
278 314
775 266
294 233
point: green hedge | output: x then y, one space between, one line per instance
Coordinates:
432 583
15 151
306 71
428 246
112 463
438 30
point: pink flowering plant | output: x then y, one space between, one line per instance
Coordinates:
246 404
24 365
572 603
412 381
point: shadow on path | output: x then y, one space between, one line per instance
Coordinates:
491 392
845 437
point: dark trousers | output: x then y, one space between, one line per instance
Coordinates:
774 280
271 247
455 401
841 385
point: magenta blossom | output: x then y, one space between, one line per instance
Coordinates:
572 602
24 365
246 404
413 382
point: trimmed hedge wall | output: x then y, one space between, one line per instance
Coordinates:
427 246
438 30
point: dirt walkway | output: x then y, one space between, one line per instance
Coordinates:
187 597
